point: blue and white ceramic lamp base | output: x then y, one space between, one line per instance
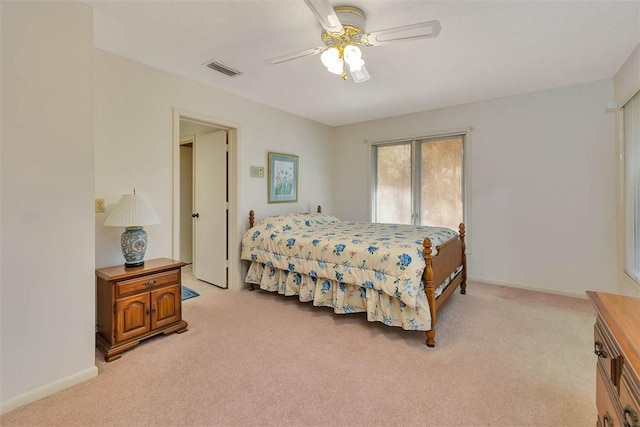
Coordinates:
134 246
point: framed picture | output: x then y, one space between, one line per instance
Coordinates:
283 178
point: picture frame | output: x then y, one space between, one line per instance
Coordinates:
282 178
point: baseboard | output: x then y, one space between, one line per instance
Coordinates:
48 389
580 295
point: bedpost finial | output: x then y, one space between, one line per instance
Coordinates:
319 209
426 251
462 230
252 217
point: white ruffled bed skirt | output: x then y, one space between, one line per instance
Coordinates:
345 298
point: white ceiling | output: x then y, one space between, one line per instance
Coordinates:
487 49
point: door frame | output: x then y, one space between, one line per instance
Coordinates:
232 128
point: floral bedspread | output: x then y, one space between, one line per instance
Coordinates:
385 257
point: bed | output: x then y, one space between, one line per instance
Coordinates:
400 275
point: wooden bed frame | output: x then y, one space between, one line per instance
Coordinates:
450 256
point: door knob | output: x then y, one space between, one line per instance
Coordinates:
195 215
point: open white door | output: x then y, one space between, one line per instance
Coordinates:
210 208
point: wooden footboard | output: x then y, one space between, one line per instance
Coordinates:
450 256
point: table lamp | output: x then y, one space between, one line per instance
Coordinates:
133 211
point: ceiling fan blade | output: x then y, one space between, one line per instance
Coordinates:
421 30
296 55
325 14
360 76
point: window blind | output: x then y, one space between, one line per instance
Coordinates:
631 136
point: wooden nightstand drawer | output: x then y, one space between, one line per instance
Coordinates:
147 282
607 353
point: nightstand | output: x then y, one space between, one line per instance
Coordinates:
137 303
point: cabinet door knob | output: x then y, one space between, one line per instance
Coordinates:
151 282
632 416
606 420
598 349
195 215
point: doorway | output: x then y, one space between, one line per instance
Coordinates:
204 165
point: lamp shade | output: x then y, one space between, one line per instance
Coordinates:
132 210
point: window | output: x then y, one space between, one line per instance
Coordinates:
631 136
419 181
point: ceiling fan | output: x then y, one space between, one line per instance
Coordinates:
344 31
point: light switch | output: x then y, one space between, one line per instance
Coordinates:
99 205
257 172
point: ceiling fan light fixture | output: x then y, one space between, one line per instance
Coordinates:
344 32
356 66
330 57
353 57
351 52
337 68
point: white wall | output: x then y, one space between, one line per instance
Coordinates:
625 83
47 278
542 212
134 132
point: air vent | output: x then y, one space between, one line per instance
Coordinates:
224 69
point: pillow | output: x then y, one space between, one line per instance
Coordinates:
297 219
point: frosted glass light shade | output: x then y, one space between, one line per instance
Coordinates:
330 57
356 65
337 68
353 57
351 51
132 210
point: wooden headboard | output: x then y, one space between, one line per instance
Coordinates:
252 216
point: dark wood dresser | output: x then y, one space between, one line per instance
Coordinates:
137 303
617 346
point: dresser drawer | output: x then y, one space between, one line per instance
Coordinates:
629 402
147 282
606 400
608 355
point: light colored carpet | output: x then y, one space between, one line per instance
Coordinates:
503 357
203 288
